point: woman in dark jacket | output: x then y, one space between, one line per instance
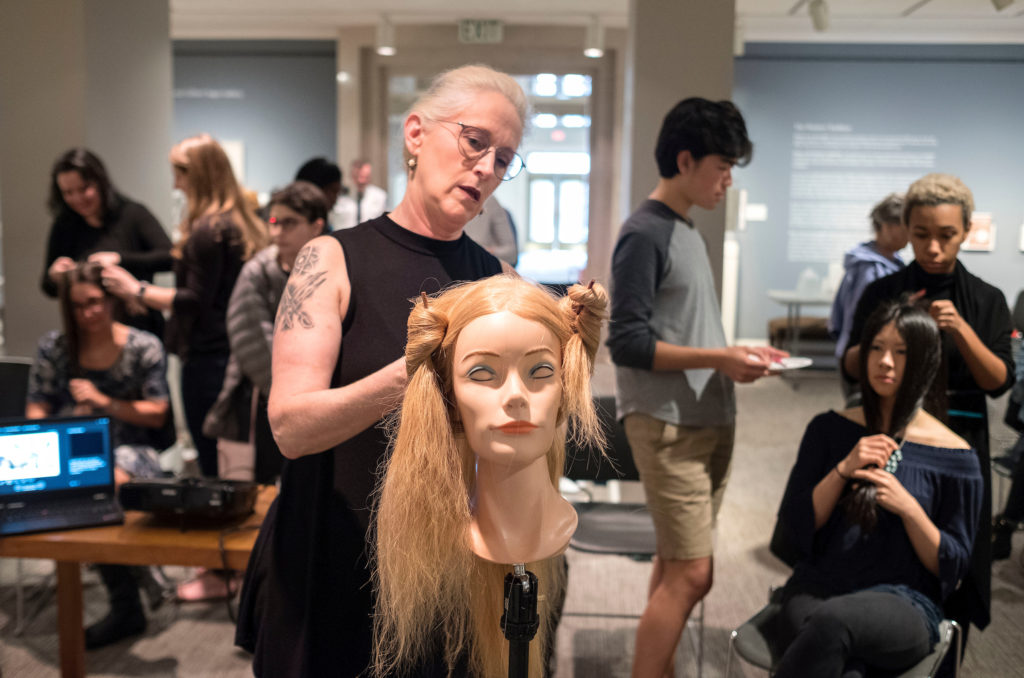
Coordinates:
91 220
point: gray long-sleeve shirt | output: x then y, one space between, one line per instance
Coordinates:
663 289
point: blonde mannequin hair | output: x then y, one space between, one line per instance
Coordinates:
431 588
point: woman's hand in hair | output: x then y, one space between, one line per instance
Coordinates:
106 258
945 315
59 267
869 450
120 282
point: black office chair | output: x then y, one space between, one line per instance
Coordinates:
611 527
755 642
13 385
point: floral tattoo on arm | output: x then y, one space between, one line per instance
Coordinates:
304 280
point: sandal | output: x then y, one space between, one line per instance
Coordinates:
209 585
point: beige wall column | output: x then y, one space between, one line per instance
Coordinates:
675 50
93 73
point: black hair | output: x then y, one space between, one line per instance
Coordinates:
303 198
320 172
703 128
922 386
92 171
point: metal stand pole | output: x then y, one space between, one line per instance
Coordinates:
520 620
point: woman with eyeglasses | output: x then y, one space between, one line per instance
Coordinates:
338 368
97 365
92 220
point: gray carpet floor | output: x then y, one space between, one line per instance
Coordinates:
606 593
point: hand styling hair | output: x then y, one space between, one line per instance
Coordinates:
918 388
433 593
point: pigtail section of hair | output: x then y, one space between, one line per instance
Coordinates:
422 518
585 307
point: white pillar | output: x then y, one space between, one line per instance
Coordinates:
675 50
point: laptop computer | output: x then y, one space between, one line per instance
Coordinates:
56 474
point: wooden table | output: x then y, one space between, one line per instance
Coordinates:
141 540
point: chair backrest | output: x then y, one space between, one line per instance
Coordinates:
617 461
13 385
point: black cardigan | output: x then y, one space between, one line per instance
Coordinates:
129 229
981 305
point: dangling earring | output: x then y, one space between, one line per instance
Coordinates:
412 164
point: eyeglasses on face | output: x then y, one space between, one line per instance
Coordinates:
474 143
286 223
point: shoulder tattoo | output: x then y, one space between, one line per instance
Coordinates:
307 275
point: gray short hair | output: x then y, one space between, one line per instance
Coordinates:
454 90
888 211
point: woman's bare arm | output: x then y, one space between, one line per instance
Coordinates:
306 415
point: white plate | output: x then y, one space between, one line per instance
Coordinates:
791 363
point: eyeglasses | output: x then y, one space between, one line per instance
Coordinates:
475 143
287 223
88 304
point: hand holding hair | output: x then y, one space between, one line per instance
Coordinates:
889 491
869 451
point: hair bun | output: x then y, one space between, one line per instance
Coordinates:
427 328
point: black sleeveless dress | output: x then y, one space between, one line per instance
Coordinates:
307 600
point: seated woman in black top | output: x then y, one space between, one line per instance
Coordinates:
879 514
92 220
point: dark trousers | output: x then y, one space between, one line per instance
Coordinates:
1014 509
122 588
202 376
842 636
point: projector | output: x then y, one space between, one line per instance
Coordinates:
207 500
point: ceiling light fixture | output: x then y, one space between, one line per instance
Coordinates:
385 36
593 47
818 10
1000 5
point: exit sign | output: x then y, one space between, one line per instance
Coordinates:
481 31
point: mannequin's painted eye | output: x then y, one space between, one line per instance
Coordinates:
542 371
481 373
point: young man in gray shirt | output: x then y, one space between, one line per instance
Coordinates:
674 372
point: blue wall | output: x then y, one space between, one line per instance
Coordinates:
970 98
278 97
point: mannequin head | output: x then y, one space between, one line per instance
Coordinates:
507 383
426 574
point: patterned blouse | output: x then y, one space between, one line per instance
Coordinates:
139 373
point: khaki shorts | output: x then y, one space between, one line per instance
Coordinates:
684 470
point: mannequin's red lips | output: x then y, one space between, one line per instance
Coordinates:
517 427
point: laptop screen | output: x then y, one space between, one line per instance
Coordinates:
55 454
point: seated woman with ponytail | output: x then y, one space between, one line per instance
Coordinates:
879 514
495 368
